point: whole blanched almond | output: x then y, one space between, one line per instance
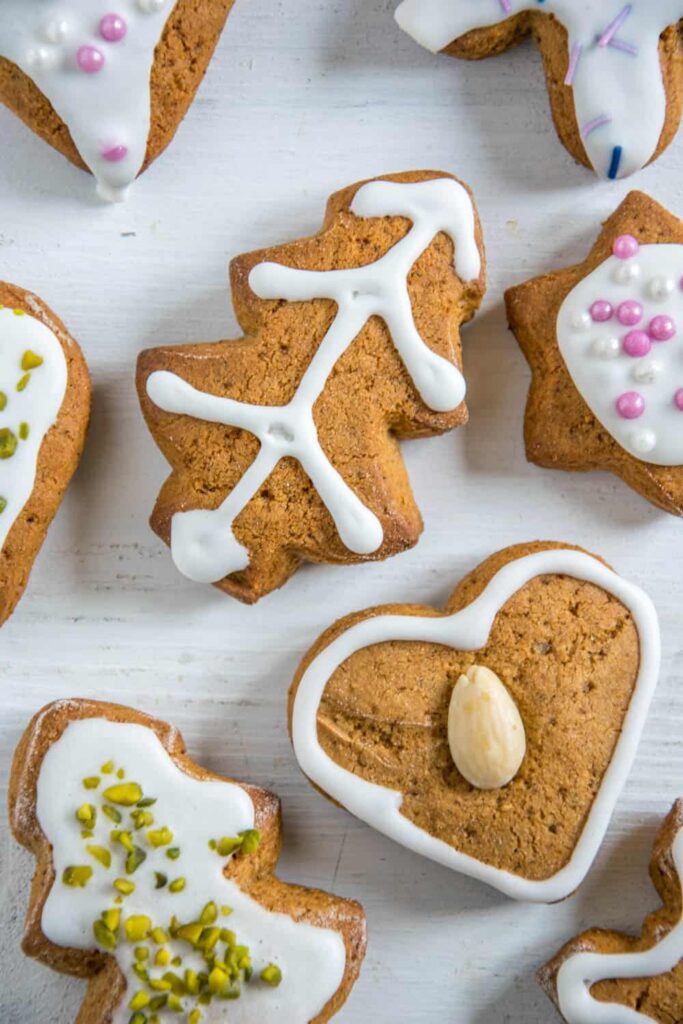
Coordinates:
485 730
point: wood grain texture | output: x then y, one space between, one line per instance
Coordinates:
292 108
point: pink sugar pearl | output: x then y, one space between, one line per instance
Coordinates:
90 59
637 344
115 153
678 399
630 405
662 328
629 312
601 310
625 247
113 28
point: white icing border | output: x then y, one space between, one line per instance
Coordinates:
469 629
582 970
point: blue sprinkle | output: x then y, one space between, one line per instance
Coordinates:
616 160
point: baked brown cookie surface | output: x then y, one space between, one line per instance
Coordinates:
44 414
614 71
108 91
495 736
603 340
630 978
155 880
284 444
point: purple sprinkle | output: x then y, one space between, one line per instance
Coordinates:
620 44
574 58
614 26
597 122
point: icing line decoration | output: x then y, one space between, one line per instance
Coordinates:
468 630
187 813
582 970
614 67
33 381
203 544
620 333
94 66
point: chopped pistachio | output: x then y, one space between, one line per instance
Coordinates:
91 782
177 961
177 984
141 953
209 913
226 911
3 401
174 1004
126 794
31 360
190 933
177 885
147 801
251 840
86 833
77 876
141 971
112 814
104 936
209 939
160 984
101 854
87 815
154 1019
22 383
112 919
137 927
217 981
141 819
8 443
225 846
173 853
160 837
194 1017
107 768
138 1018
3 504
124 886
139 1001
134 859
162 958
158 1002
19 312
228 937
272 975
24 431
159 936
124 838
120 774
192 982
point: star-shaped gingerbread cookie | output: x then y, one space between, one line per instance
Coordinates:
155 881
284 444
613 69
604 342
605 977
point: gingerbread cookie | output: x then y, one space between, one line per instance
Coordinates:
493 737
44 413
613 69
284 444
154 881
605 977
603 340
107 88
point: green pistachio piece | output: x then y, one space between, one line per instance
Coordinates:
138 1018
272 975
3 504
141 953
162 958
123 886
31 360
194 1017
139 1001
141 819
3 401
112 813
225 846
159 936
104 936
190 933
87 816
112 919
101 854
251 840
137 927
177 885
91 782
126 794
8 443
134 859
22 383
173 853
107 768
160 837
77 876
147 801
161 880
24 431
158 1002
209 913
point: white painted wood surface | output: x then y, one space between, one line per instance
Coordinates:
303 98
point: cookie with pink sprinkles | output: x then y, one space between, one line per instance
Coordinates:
604 341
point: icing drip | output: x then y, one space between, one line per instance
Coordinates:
311 960
625 356
469 630
581 971
203 545
94 67
614 66
33 380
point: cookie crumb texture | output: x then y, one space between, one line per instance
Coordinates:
44 415
619 363
155 880
189 32
353 501
568 654
657 997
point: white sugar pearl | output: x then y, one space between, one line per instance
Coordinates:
606 348
580 321
643 441
42 58
626 272
151 6
56 30
660 288
646 370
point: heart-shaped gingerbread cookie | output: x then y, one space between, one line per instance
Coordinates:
534 685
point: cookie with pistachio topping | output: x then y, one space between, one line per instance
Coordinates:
44 413
155 880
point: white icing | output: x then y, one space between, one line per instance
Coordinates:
581 971
312 959
37 405
618 89
657 376
203 545
468 630
103 110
